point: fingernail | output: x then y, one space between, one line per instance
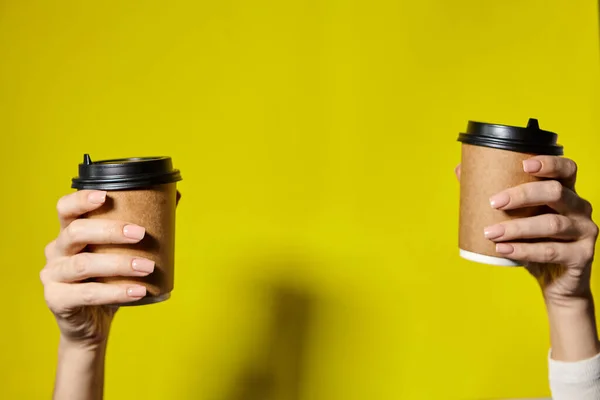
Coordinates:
136 291
500 200
134 232
504 248
493 232
97 197
142 265
532 166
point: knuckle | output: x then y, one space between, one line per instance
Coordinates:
49 249
556 224
550 254
588 209
79 264
555 164
71 231
74 230
555 190
572 167
61 206
88 295
520 194
44 278
594 230
51 296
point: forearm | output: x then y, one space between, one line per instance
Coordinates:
573 329
80 372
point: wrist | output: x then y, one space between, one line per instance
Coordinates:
574 303
572 323
67 345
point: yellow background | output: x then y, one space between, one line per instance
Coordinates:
316 139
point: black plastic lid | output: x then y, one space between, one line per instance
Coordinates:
531 139
125 173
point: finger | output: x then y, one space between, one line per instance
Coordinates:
550 193
65 296
76 204
83 232
542 226
457 171
87 265
560 168
541 252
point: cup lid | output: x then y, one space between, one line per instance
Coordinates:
125 173
530 139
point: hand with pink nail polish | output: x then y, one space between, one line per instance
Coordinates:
557 248
84 309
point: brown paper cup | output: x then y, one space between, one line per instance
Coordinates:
484 173
140 191
492 161
154 209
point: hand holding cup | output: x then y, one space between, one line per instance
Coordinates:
84 309
115 246
556 247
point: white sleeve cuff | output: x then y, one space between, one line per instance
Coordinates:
575 380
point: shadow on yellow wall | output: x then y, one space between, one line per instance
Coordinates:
276 372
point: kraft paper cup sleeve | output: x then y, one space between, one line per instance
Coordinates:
154 209
484 173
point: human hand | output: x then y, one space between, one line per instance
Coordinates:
84 309
557 248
